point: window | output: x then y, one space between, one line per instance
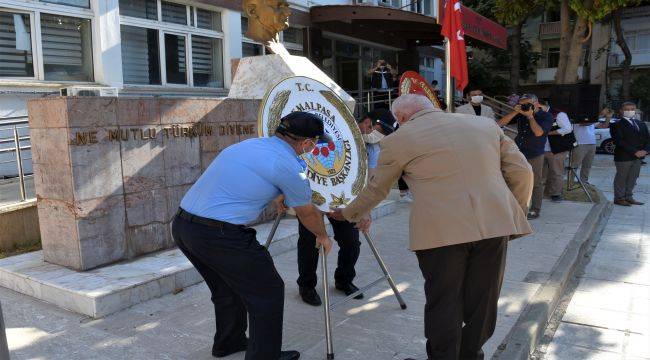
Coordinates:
178 44
208 20
140 57
67 48
638 40
16 57
77 3
144 9
552 57
175 59
250 49
57 48
292 35
174 13
207 62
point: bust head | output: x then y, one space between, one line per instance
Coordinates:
266 18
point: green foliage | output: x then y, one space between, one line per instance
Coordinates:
595 10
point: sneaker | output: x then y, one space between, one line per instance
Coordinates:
406 197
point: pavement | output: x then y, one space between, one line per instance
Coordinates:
181 326
607 314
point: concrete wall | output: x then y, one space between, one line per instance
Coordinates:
110 173
19 224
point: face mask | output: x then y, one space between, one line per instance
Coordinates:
372 138
630 114
477 99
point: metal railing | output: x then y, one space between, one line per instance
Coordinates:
12 125
369 99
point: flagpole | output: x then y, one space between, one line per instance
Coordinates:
449 86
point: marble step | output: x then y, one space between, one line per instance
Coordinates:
111 288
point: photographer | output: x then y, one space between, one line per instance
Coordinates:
533 126
560 142
382 76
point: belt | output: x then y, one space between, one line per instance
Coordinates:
205 221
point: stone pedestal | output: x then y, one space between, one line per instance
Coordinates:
256 75
110 172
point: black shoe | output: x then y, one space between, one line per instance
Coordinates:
310 296
289 355
556 198
229 351
349 289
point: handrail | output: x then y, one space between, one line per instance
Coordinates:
17 149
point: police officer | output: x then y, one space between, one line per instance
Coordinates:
211 229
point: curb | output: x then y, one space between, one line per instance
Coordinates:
523 338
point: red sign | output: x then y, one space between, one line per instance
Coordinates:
479 27
412 83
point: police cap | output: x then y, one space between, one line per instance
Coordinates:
303 124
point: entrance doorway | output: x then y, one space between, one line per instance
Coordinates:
348 73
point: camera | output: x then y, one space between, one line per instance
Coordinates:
526 106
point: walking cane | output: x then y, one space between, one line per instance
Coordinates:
326 307
274 228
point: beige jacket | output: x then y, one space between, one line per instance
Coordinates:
469 181
469 110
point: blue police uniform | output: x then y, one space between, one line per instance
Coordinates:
210 229
245 178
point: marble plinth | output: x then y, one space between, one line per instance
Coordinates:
256 75
111 288
110 172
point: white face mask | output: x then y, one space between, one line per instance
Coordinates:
630 114
477 99
372 138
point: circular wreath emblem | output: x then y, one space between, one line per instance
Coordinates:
336 170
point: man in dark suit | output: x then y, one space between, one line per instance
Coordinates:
632 142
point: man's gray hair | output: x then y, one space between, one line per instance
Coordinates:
532 97
628 103
410 104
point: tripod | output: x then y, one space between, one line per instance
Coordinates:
571 174
327 306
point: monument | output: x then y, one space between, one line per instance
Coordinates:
110 174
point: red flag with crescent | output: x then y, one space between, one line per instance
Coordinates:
452 29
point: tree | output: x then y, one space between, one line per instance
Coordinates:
513 14
572 39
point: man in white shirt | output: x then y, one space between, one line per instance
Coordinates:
475 106
583 154
556 149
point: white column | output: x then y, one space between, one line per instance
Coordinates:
231 22
107 52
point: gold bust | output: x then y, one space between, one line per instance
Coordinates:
266 18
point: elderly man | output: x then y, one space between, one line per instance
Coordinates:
471 186
475 106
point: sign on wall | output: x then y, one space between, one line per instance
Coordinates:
336 170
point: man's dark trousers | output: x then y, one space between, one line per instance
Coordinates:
242 278
347 237
462 284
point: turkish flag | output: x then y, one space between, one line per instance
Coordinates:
452 29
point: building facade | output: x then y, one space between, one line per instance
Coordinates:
184 48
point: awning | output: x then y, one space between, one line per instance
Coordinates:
409 28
